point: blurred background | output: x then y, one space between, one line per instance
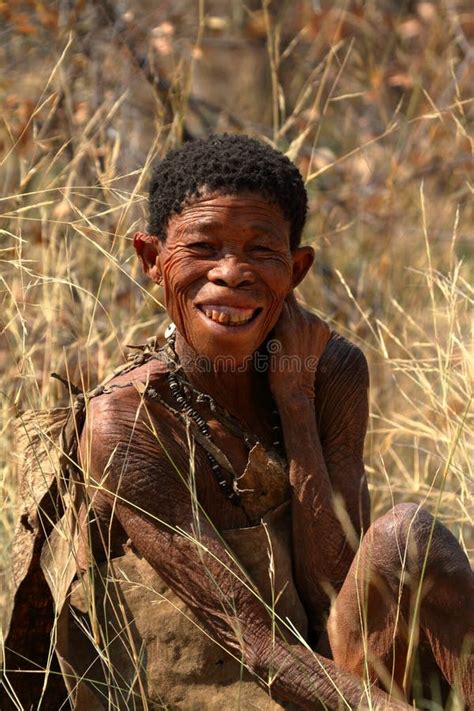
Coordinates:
374 103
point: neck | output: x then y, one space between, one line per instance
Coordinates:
239 391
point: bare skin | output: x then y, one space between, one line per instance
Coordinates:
230 255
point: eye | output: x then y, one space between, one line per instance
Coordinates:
260 248
201 246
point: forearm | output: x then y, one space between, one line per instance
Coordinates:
312 682
293 672
321 552
215 590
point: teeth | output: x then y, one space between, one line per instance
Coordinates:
224 317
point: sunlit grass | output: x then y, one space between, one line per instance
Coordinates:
390 219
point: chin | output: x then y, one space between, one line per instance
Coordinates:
225 355
221 342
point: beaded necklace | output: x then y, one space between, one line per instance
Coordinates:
180 389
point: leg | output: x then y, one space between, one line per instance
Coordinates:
392 595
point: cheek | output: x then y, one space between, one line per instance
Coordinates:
180 277
178 274
272 313
276 277
278 280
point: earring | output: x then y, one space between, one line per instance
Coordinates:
170 329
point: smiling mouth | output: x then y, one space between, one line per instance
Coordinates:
229 315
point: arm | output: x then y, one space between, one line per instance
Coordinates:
342 412
153 504
324 448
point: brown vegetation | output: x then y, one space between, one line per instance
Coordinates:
374 103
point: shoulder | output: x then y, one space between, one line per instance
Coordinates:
341 389
152 369
133 446
342 359
125 390
119 413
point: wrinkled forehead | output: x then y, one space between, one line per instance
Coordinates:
203 192
230 207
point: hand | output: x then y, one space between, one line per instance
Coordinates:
298 341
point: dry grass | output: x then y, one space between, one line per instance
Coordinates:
374 104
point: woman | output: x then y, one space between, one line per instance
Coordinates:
224 476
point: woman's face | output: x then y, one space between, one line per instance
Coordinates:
226 267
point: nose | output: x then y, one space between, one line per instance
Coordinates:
230 271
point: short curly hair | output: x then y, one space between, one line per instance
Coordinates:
226 164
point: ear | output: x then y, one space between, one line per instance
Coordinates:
303 258
148 249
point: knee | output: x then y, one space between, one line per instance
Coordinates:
399 523
410 535
389 535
